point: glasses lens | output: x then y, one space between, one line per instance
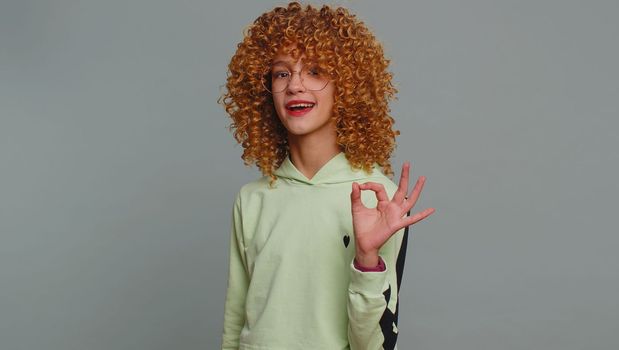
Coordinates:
314 79
277 80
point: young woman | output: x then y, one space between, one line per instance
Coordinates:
317 243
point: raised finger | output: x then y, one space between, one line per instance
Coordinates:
409 220
355 197
379 189
399 195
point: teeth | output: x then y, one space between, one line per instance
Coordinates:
302 105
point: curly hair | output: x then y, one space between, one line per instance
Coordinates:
341 45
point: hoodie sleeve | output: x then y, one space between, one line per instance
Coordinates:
238 280
373 299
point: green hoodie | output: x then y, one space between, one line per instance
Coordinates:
292 284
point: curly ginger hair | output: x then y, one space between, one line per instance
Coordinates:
339 44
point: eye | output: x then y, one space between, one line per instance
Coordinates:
315 71
280 74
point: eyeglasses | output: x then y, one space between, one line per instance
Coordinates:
277 80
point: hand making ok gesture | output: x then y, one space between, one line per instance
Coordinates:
374 226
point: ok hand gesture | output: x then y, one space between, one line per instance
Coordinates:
374 226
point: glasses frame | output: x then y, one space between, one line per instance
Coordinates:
266 79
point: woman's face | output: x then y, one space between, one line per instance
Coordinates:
302 111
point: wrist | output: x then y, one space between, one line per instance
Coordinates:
367 260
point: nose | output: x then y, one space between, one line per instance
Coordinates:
295 84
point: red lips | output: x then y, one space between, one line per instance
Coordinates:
299 108
297 102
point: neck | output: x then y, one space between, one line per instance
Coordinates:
309 154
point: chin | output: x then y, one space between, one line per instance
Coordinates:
297 132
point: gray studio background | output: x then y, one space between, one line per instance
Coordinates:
118 173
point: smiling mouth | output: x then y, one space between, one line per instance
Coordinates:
300 107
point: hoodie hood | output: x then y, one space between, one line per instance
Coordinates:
336 170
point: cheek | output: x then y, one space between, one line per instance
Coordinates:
276 101
330 94
328 101
279 106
